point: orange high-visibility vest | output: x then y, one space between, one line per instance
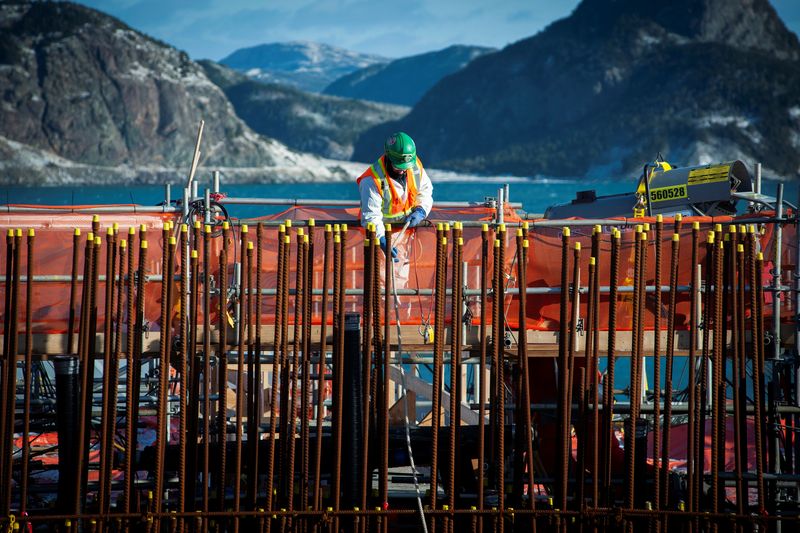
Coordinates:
394 207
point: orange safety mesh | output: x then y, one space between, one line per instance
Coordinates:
53 256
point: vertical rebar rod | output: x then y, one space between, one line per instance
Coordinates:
563 374
222 373
255 356
757 306
104 477
277 362
741 360
305 451
608 382
321 386
582 428
455 369
252 386
482 370
366 348
294 382
387 350
240 394
376 381
630 430
717 370
162 431
112 413
439 312
85 373
501 399
8 363
11 375
130 365
183 332
705 362
594 366
691 443
206 367
526 391
193 408
574 317
285 376
338 364
73 290
27 379
657 471
673 299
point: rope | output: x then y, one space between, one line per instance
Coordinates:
405 394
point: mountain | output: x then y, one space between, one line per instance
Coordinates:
324 125
615 83
86 98
305 65
404 81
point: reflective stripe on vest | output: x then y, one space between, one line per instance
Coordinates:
393 207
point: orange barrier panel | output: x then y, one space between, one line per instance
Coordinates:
414 270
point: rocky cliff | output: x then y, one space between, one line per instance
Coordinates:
609 87
81 87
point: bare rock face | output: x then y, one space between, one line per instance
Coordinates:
615 83
85 87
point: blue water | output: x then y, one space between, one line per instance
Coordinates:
535 194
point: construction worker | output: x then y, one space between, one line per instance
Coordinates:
395 189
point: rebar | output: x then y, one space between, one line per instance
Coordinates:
27 375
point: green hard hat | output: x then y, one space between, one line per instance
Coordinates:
401 150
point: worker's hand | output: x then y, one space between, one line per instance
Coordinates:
416 216
394 250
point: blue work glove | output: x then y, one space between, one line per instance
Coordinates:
394 250
416 216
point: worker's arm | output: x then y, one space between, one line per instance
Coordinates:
425 193
371 206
